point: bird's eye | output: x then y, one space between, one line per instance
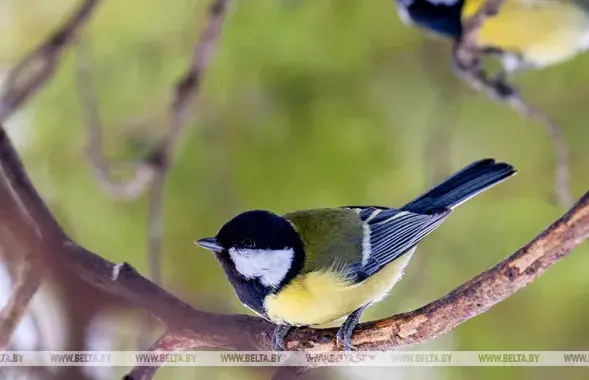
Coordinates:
248 243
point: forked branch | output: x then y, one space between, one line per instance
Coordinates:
150 171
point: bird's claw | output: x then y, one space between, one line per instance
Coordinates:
345 332
344 339
278 344
280 333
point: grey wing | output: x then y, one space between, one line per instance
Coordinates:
390 233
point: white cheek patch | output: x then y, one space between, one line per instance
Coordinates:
270 266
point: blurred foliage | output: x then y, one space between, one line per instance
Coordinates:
310 104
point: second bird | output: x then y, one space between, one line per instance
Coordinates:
316 266
525 33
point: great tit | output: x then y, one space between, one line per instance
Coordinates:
525 33
316 266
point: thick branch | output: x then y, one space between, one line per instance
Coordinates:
244 332
467 56
37 67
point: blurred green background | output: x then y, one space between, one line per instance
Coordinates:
309 104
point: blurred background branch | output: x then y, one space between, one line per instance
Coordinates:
185 95
467 58
26 285
36 68
144 172
150 173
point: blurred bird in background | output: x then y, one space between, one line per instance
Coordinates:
524 34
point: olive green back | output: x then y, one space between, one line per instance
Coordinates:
332 237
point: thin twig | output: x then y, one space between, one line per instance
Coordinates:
181 107
467 56
26 285
561 152
143 173
185 95
155 228
36 68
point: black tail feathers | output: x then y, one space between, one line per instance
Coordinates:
470 181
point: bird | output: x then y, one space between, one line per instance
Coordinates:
525 34
315 266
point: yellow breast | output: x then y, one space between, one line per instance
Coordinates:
320 297
544 31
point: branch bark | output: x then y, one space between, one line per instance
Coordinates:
170 341
37 67
467 56
203 329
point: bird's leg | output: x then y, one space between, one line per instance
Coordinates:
463 65
501 88
498 86
344 334
278 336
492 51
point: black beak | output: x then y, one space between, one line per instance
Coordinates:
210 244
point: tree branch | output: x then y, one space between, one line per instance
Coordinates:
202 329
26 285
183 102
143 172
170 341
37 67
467 57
